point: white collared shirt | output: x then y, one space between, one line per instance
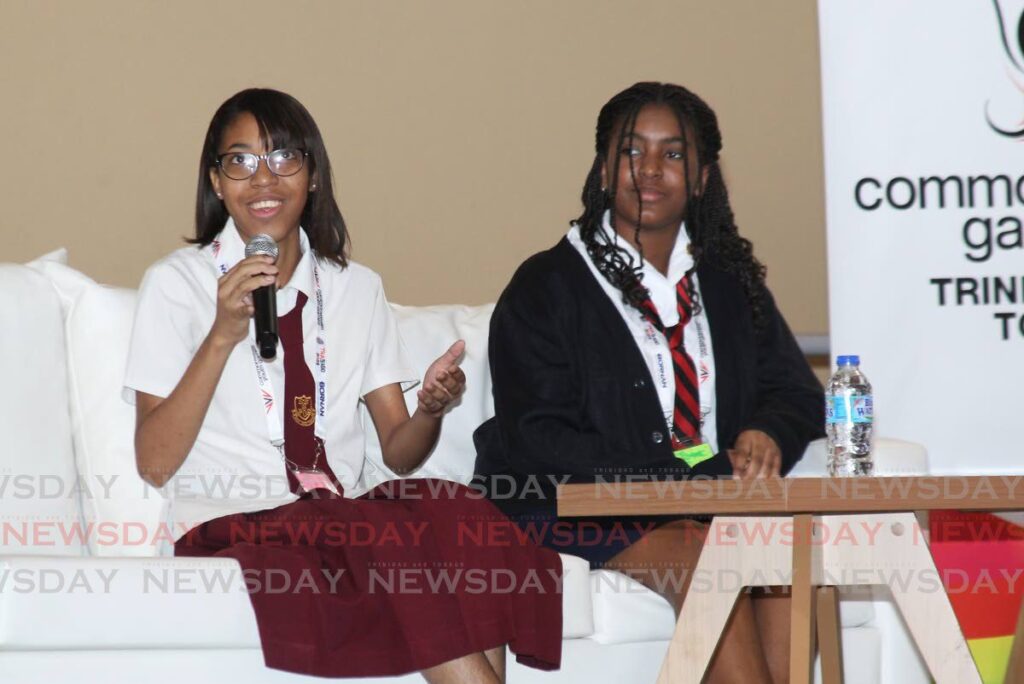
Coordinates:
652 344
233 467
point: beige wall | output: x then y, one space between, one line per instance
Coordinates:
460 131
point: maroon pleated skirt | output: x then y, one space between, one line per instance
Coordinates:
413 574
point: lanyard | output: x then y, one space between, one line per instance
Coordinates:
274 413
700 362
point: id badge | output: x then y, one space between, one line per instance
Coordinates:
691 450
312 478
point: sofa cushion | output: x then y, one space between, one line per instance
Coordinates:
428 331
123 510
626 611
856 606
577 604
124 603
862 656
39 510
164 603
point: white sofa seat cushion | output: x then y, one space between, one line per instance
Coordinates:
861 657
136 603
626 611
164 666
39 509
856 606
124 603
577 603
202 603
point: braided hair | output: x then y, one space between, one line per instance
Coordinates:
708 216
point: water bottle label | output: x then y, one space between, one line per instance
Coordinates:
835 410
859 409
862 408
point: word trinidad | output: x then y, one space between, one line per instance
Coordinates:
983 291
983 236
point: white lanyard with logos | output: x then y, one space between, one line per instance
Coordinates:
275 422
701 363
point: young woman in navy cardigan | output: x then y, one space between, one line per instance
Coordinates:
646 343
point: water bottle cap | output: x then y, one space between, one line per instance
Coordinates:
852 360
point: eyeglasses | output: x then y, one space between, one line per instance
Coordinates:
242 165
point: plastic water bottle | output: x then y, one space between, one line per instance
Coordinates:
849 418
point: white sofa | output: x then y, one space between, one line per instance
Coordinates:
86 596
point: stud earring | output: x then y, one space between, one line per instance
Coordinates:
220 196
312 188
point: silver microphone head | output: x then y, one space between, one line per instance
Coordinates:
261 244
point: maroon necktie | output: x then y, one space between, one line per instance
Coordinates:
301 445
686 416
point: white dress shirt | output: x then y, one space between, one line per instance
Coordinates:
233 467
652 344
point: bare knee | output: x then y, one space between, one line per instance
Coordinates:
663 560
469 668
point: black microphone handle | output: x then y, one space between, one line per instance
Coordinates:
264 300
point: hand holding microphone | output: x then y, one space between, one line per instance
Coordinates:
264 299
239 299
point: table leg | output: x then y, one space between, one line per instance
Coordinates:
829 635
887 549
1015 668
927 610
737 552
801 645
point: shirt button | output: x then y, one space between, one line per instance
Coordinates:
657 437
639 383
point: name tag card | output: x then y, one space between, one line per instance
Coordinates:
311 478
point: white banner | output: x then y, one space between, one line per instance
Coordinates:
924 154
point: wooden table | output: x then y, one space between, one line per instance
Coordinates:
821 533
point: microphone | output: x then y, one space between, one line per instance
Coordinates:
264 299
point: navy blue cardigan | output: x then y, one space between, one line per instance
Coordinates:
573 395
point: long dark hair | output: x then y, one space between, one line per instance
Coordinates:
283 122
708 216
